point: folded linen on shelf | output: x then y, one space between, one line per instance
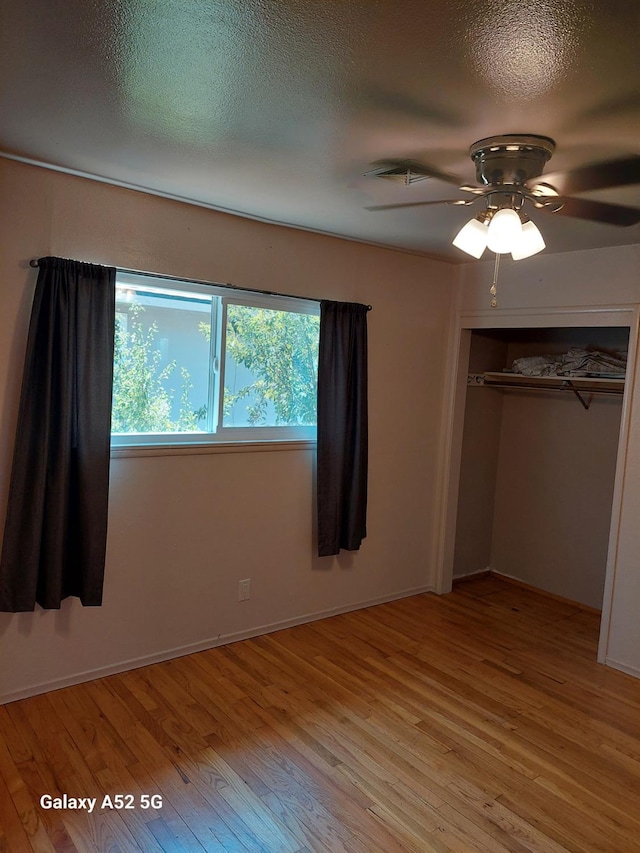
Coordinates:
576 362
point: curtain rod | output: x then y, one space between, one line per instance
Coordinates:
34 263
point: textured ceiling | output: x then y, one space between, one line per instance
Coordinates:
276 109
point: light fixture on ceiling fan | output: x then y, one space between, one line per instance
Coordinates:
505 163
501 231
509 170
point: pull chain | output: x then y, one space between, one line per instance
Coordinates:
493 289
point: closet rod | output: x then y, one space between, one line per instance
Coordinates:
567 386
34 263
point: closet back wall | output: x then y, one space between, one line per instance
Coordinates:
184 529
555 477
554 490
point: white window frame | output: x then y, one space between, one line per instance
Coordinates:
216 433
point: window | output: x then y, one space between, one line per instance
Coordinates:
200 363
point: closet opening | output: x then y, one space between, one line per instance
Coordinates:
538 434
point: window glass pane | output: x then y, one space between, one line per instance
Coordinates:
271 367
161 363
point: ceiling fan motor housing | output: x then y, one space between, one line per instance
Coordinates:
510 160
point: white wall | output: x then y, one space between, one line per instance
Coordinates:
581 282
479 461
184 529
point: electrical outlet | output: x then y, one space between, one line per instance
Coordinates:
244 589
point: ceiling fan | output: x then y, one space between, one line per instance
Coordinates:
509 170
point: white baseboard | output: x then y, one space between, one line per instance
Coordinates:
192 648
623 667
478 572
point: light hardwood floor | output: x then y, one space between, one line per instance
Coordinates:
476 722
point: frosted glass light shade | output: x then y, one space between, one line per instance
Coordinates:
530 242
505 231
472 238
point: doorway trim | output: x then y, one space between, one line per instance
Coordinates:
464 323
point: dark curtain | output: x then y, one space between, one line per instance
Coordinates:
342 427
56 526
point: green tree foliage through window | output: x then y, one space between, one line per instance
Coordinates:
280 351
165 365
141 400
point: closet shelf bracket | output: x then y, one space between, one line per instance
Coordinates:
567 384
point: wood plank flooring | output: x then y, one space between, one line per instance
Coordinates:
476 722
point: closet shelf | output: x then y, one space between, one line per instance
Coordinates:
574 384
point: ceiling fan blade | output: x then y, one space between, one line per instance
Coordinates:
462 201
442 176
596 211
599 176
408 107
408 172
609 110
